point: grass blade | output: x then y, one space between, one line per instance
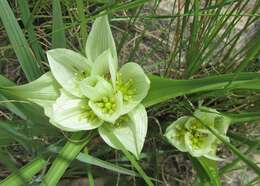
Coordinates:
83 23
68 153
27 21
23 52
163 89
26 172
58 32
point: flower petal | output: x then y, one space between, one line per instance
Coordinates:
105 65
131 133
68 68
94 87
102 110
134 85
100 39
69 114
175 133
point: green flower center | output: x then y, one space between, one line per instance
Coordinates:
126 88
107 104
197 137
180 132
81 74
88 114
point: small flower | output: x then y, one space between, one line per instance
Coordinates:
188 134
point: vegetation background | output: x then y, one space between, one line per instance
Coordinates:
178 39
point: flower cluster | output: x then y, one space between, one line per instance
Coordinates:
189 134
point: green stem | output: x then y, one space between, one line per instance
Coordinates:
68 153
129 157
25 173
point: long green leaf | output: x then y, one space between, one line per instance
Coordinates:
163 89
23 52
68 153
58 32
25 173
27 19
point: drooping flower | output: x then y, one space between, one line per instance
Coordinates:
189 134
86 93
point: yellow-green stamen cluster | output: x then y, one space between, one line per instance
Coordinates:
180 132
88 114
107 104
125 87
197 137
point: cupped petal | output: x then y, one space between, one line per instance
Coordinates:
68 68
212 154
130 133
100 39
175 133
73 114
94 87
134 85
105 66
221 124
108 107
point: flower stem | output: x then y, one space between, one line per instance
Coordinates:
68 153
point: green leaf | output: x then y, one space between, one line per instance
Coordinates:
100 39
27 19
58 32
163 89
22 50
25 173
207 172
67 154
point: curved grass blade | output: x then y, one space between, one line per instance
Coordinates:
23 52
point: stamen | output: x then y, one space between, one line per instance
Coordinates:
88 114
126 88
107 104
